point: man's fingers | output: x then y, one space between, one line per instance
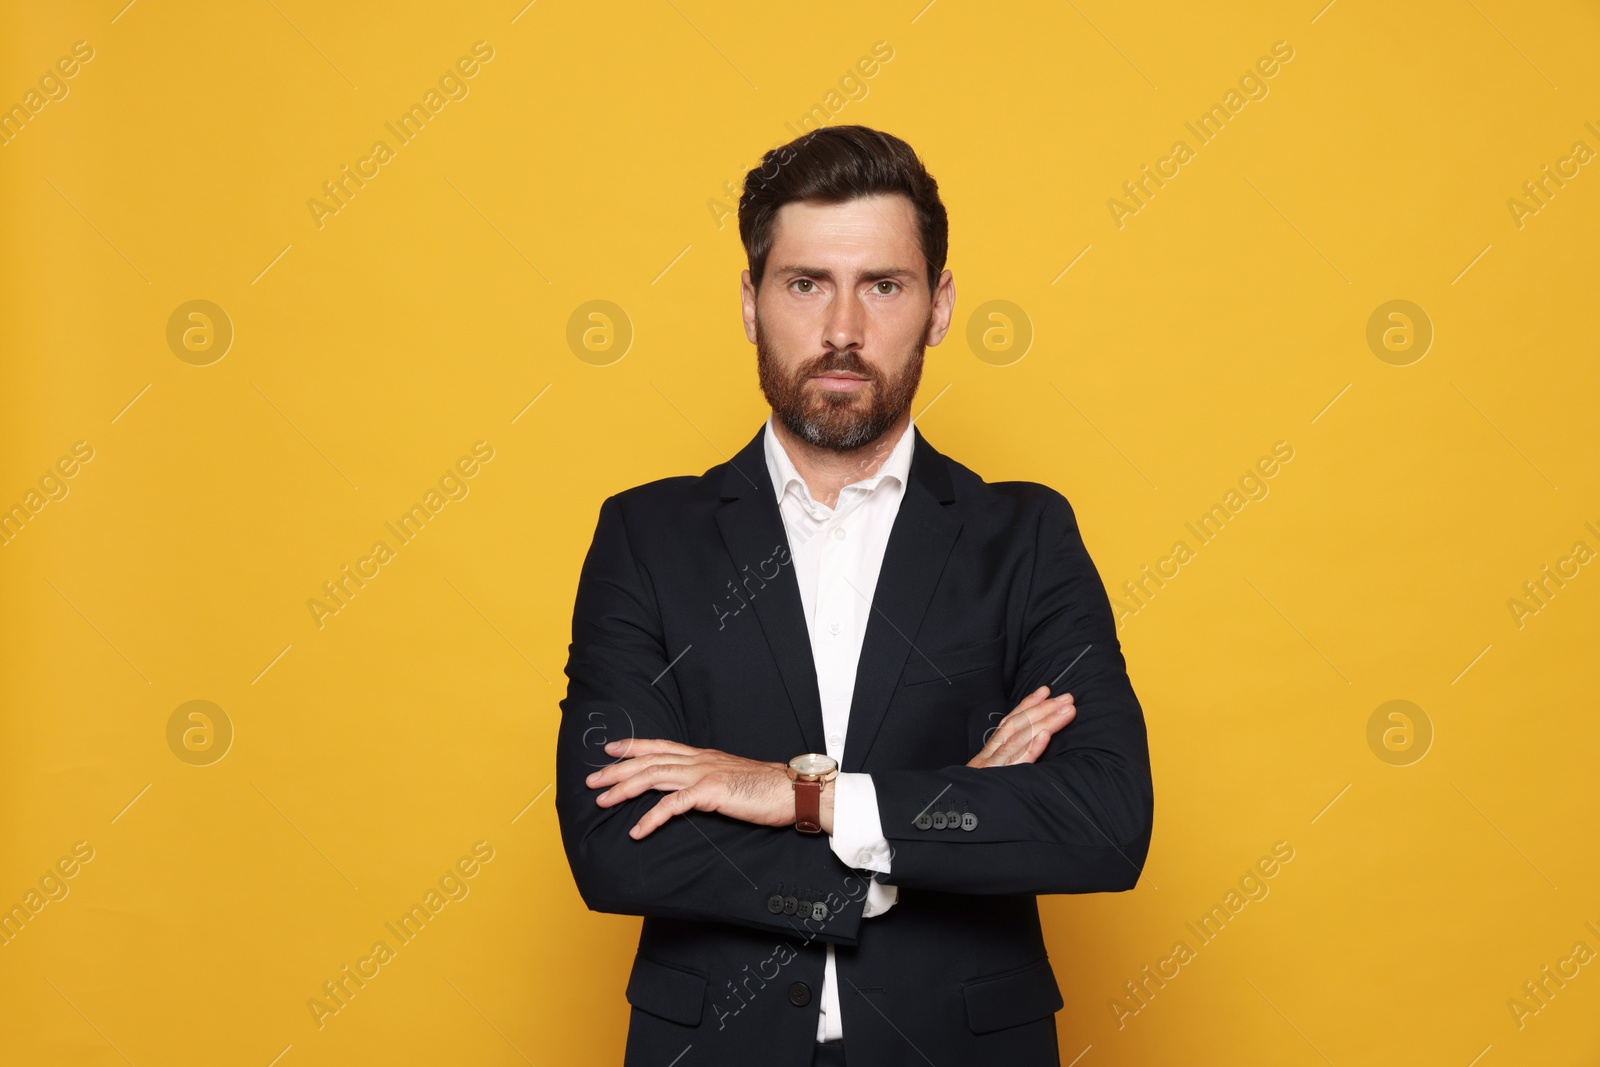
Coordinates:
626 768
1023 734
1040 742
1032 699
640 761
672 804
1043 731
664 776
1018 739
631 747
1001 729
994 743
1030 715
1006 739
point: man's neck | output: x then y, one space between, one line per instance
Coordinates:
825 471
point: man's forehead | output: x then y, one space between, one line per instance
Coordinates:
879 223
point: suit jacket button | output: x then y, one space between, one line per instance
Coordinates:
799 994
969 821
940 820
790 905
924 821
819 911
775 904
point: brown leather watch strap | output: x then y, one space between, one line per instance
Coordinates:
808 807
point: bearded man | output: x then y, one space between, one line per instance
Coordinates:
838 709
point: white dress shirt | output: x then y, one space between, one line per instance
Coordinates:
837 553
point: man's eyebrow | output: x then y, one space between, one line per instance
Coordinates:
798 270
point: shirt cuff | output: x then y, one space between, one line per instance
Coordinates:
880 898
857 832
858 838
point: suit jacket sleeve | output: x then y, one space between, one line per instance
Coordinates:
703 865
1079 819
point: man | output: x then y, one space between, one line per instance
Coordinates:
838 709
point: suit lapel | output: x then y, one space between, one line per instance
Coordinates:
751 526
919 546
924 531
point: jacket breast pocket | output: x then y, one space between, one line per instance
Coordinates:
1011 998
940 666
670 992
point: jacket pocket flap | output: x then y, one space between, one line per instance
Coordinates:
1012 999
937 666
666 991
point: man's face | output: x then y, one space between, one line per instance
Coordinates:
842 318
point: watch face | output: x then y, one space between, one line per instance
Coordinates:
813 763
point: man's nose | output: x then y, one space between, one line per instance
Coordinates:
846 321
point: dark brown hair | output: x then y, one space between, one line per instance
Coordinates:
834 164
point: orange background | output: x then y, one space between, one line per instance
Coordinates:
1141 361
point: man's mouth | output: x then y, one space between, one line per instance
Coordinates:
840 381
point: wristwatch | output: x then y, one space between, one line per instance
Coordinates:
808 772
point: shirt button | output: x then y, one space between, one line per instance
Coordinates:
863 857
838 532
834 739
833 627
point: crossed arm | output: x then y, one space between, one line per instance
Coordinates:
1073 816
759 792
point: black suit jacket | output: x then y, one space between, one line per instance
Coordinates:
688 626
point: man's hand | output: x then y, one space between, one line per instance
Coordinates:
1022 735
698 779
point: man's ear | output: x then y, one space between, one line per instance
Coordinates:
747 297
944 306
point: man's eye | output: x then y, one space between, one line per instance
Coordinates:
805 282
885 292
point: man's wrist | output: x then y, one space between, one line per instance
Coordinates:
818 796
824 803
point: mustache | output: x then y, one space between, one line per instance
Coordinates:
837 363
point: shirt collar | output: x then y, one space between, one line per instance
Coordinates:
782 469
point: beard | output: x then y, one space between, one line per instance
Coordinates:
839 421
